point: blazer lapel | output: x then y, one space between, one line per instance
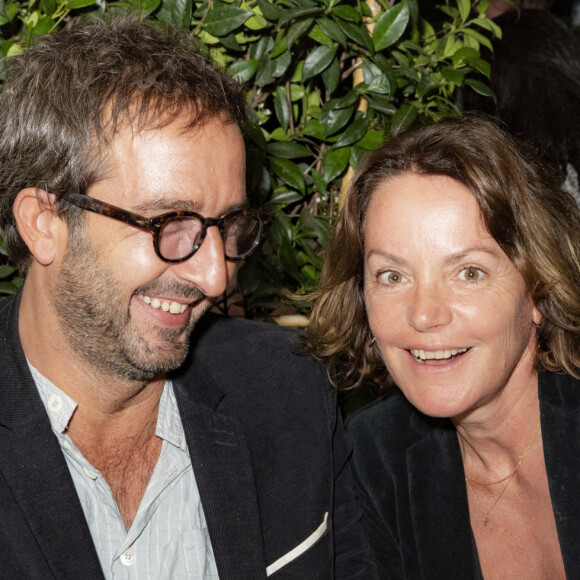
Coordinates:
223 471
560 416
440 512
34 467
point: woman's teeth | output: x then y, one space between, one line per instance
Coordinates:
165 305
423 355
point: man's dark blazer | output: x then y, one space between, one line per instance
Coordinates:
411 482
266 444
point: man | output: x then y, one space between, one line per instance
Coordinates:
123 203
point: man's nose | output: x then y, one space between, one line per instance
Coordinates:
429 307
207 268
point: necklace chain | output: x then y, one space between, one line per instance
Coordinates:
508 477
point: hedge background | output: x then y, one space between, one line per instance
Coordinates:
327 80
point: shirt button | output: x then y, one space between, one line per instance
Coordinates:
54 404
89 473
128 557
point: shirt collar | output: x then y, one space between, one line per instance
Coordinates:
60 408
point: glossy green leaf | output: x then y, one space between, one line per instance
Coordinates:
371 140
8 288
375 79
315 227
332 30
177 12
6 271
288 150
382 104
285 197
44 25
282 108
265 72
224 19
335 162
280 229
76 4
146 6
343 103
403 119
463 53
319 182
360 35
230 42
481 39
288 172
320 37
490 25
47 6
9 12
280 44
317 61
464 9
288 259
391 25
479 64
354 133
453 75
298 29
244 70
314 129
280 65
298 13
331 76
337 119
345 12
258 49
270 10
480 88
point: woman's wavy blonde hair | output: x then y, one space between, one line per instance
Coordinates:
535 223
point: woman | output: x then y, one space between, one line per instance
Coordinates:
456 265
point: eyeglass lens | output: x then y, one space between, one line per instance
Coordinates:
179 236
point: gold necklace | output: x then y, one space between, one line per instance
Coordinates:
508 477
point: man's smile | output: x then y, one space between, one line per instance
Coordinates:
170 306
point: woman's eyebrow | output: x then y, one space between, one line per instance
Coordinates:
396 260
467 252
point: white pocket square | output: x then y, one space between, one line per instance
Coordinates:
300 548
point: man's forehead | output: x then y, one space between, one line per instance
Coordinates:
175 167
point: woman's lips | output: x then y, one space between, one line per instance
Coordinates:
437 357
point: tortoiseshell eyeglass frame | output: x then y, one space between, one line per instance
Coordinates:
154 224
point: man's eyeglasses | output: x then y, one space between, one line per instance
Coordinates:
177 235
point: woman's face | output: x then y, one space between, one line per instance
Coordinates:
449 311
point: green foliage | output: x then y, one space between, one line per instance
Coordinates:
327 80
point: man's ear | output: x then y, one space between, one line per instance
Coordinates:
38 223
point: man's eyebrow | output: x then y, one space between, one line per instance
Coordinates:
165 204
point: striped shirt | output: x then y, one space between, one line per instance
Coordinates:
168 538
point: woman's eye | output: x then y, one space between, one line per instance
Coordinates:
471 274
390 278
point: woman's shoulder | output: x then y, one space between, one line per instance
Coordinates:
387 421
560 390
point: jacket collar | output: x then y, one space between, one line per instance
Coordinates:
222 464
33 466
560 417
438 499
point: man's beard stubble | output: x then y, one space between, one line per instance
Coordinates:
97 325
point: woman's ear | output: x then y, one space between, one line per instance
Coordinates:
536 316
38 223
